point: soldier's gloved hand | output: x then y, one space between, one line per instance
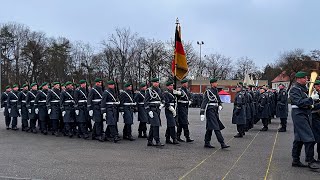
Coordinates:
202 117
63 113
161 106
315 96
77 112
49 111
104 116
3 109
173 111
176 92
150 114
190 102
36 111
29 111
9 110
220 108
91 113
19 111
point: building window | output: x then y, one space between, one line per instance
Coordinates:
233 89
226 89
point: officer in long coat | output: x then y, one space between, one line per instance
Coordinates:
170 102
94 108
301 106
12 106
153 103
82 116
263 108
209 110
41 108
109 109
316 120
142 114
239 112
22 106
4 101
282 107
184 100
31 96
67 104
248 106
53 107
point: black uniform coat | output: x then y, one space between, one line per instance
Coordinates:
109 105
152 102
183 106
22 104
282 104
4 98
12 103
31 96
142 113
126 101
53 100
239 109
263 106
301 113
80 98
248 105
211 111
67 104
94 103
169 100
40 103
316 124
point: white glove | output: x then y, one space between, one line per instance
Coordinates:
150 114
77 112
63 113
176 92
36 111
315 96
104 116
3 109
9 110
19 111
91 113
49 111
30 111
220 108
161 106
202 117
173 111
190 102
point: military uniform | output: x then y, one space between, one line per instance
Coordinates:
142 114
249 110
12 105
53 107
22 106
67 105
82 116
30 99
41 109
263 110
4 101
239 113
282 108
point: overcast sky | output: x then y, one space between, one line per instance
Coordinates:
259 29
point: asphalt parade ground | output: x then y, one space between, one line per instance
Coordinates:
259 155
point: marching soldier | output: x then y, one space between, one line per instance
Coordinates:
239 112
316 119
31 95
142 114
12 106
82 116
153 104
170 112
53 106
301 113
41 108
183 105
248 106
282 107
263 109
126 101
94 108
67 107
209 109
109 109
22 106
4 101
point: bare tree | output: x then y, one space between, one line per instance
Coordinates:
217 65
243 65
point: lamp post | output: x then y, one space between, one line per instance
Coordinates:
200 43
1 42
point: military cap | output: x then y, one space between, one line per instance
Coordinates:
281 84
24 85
142 85
155 80
184 81
33 84
97 80
82 81
250 85
111 82
168 83
43 84
213 80
317 82
15 85
54 83
7 87
300 74
241 83
68 83
127 84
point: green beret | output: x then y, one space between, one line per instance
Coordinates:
184 81
155 80
213 80
169 83
127 84
301 74
281 84
111 82
82 81
97 80
33 84
25 85
317 82
241 83
15 85
43 84
7 87
142 85
54 83
68 83
63 84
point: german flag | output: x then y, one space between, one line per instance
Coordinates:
179 64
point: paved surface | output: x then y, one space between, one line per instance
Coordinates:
259 155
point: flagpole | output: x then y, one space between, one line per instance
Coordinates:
175 57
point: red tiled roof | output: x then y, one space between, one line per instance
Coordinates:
281 78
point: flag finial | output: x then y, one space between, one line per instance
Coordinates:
177 21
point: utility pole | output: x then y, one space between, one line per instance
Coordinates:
200 43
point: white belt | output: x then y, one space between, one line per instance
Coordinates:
112 103
96 100
171 104
55 101
32 101
155 102
183 101
23 101
213 104
41 101
68 101
80 101
141 103
13 100
294 106
5 101
129 104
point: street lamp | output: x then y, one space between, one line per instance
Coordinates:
1 42
200 43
